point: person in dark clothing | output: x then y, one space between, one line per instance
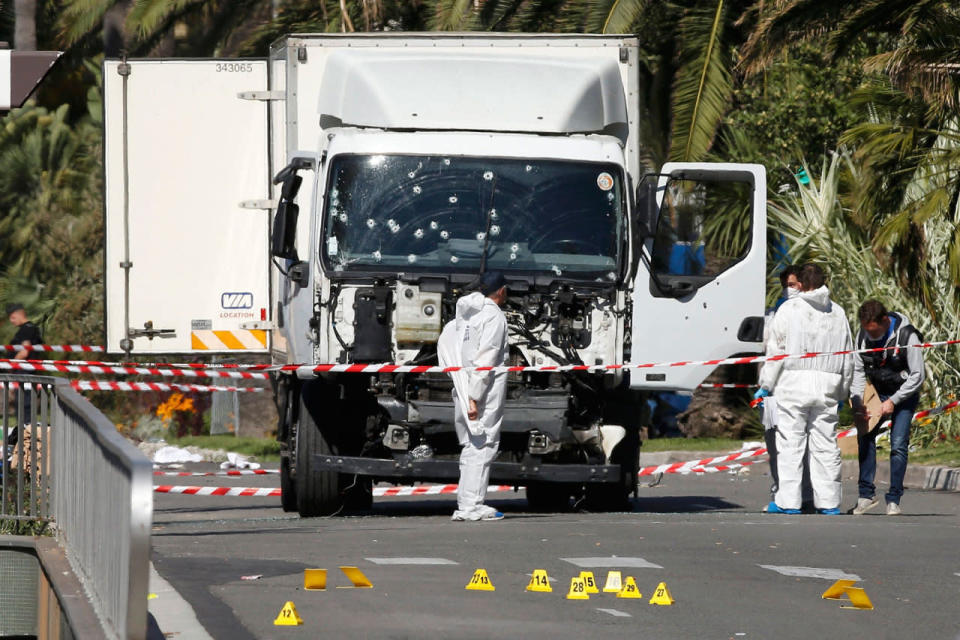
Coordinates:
896 374
27 335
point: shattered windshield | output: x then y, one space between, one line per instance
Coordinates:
439 213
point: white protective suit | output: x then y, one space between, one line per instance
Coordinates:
476 337
808 393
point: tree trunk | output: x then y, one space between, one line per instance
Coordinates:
25 30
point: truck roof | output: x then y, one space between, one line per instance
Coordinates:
496 90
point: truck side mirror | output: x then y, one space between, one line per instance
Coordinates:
647 211
283 240
282 243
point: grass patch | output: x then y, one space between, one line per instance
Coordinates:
263 449
943 453
690 444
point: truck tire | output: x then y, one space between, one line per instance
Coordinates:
549 497
318 492
288 486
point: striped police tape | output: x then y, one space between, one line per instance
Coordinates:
257 371
54 348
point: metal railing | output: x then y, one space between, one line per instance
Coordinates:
91 484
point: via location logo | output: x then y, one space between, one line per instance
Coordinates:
236 300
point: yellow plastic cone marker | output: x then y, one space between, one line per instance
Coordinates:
661 595
578 589
614 582
539 582
356 576
630 590
837 589
314 579
480 581
590 583
858 599
288 616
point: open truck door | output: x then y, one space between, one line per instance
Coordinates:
701 280
187 177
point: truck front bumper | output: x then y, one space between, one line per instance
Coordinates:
430 470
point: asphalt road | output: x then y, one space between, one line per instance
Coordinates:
733 571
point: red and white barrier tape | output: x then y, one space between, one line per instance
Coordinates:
717 385
255 492
232 472
246 492
64 366
693 465
725 467
109 385
62 348
257 370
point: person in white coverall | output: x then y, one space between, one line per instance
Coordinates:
477 337
809 391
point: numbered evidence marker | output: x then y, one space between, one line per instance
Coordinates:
578 589
590 583
661 595
480 581
288 616
614 583
630 590
539 582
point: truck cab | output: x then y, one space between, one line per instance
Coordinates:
404 166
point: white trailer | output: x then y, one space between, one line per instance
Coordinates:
329 205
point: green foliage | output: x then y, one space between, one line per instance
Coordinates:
798 108
703 84
51 222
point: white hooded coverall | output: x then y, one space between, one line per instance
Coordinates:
477 337
808 392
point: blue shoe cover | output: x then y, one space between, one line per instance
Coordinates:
829 512
773 508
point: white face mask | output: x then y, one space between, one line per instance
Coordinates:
790 293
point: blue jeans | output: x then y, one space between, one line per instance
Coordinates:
899 443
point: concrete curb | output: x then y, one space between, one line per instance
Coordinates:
928 478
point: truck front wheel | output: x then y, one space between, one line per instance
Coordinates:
318 492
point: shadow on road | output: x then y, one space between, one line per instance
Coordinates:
683 504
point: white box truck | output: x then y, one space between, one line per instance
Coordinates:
329 204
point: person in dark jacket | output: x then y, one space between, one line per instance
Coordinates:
27 335
896 373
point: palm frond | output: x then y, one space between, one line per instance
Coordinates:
453 15
613 16
703 85
79 18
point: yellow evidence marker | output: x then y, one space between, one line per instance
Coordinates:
858 597
356 576
630 590
288 616
539 582
614 582
837 589
661 595
314 579
578 589
480 581
590 583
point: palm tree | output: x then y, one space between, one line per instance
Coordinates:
906 148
